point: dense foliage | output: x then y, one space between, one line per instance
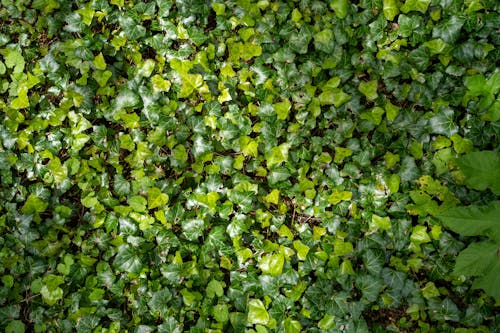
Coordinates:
222 166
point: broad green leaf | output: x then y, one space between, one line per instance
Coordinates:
272 264
283 109
156 198
51 292
292 326
489 282
146 68
474 220
120 185
481 170
257 313
21 101
370 286
126 99
477 259
415 5
102 77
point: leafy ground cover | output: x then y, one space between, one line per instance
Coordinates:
231 166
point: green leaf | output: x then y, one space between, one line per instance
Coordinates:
127 260
99 62
324 40
301 248
156 198
384 223
277 155
443 122
449 30
338 196
126 99
58 171
257 313
481 170
326 323
391 9
369 89
13 59
429 290
138 203
272 264
374 115
336 97
489 282
221 313
477 259
340 7
415 5
341 248
215 288
34 205
50 291
283 109
474 220
15 326
419 235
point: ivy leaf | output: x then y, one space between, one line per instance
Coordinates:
127 260
369 89
272 264
15 326
443 122
13 59
156 198
340 7
137 203
391 9
99 62
277 155
34 205
449 30
257 313
415 5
